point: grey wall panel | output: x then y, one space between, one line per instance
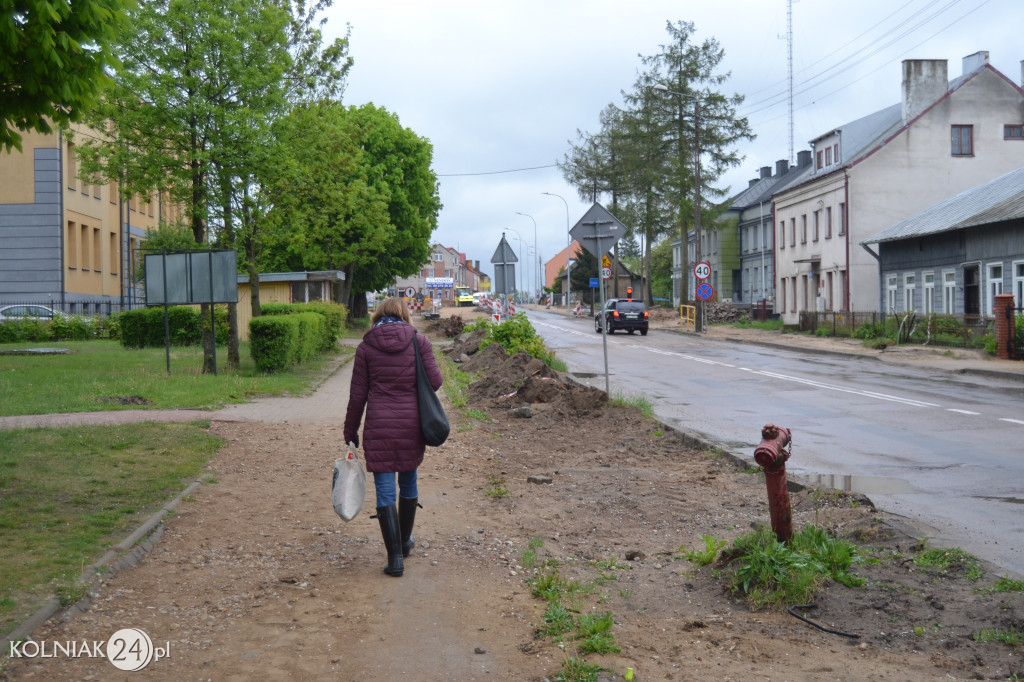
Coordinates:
46 167
30 222
20 209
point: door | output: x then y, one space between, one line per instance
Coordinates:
972 290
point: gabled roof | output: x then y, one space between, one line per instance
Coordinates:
995 201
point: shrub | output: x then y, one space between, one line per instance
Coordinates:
517 334
273 341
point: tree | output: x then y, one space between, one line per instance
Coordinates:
701 126
191 106
53 60
360 197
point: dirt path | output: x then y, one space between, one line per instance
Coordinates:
255 577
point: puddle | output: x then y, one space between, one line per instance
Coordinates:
866 485
1012 500
587 375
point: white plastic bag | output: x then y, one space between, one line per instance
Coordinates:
348 488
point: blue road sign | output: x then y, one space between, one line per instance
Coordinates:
705 291
593 282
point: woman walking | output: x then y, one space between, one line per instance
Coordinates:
384 383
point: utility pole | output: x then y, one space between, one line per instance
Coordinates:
699 322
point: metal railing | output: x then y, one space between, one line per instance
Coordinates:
76 306
935 329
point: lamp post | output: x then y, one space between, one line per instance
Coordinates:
568 246
534 264
699 322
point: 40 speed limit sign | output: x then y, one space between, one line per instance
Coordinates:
702 270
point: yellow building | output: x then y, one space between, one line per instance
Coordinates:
63 241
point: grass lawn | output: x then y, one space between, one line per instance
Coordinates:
67 495
101 375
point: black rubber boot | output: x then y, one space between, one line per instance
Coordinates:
389 528
406 519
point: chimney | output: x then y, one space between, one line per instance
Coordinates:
751 183
782 167
803 158
924 81
766 172
973 62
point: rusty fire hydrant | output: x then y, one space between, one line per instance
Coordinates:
772 454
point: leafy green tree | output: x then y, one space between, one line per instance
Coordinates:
53 60
361 197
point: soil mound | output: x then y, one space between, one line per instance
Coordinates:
449 327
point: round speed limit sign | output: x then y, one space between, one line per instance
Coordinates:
702 270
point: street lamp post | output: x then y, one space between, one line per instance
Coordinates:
568 246
699 322
534 263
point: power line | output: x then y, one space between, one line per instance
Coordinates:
498 172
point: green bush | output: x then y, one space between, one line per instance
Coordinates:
28 329
334 317
517 334
273 341
144 327
311 336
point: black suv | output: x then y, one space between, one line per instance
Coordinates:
623 313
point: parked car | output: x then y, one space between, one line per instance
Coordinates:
623 313
19 312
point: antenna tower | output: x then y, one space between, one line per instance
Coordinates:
789 42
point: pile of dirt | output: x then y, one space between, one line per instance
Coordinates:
513 381
723 313
448 327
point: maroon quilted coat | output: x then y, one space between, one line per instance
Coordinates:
384 382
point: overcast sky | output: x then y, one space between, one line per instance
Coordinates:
502 85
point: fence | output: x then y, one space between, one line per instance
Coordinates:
1018 339
938 330
79 306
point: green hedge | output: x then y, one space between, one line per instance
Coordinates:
273 341
144 327
293 333
69 328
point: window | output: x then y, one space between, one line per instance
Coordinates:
817 225
929 292
842 220
72 166
83 244
792 231
1018 284
828 156
782 295
1013 132
113 252
828 222
792 298
96 250
835 153
963 140
995 283
70 248
909 289
438 257
782 234
890 293
818 159
949 292
803 229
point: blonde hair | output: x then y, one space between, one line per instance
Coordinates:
391 307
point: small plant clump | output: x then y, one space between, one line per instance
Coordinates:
703 557
770 573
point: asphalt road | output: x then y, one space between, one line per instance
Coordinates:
942 449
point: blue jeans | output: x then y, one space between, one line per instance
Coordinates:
385 486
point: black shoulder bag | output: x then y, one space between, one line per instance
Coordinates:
433 421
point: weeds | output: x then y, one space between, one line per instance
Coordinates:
705 556
576 669
945 559
638 401
1012 636
1004 584
774 574
496 487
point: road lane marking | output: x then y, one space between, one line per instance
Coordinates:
953 409
1012 421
